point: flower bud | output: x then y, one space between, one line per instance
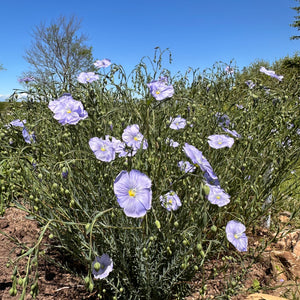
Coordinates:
13 292
214 228
206 189
157 223
87 280
97 266
91 287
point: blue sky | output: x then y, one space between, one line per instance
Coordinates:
198 32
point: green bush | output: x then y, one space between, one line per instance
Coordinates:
153 256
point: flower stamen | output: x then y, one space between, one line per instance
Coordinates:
132 192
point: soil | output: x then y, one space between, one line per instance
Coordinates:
17 232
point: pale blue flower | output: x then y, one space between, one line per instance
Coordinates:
232 132
270 73
103 149
88 77
160 90
229 70
186 166
218 141
26 79
211 178
133 192
172 143
18 123
177 123
102 266
250 84
235 233
222 119
170 201
67 110
133 138
28 137
104 63
197 157
217 196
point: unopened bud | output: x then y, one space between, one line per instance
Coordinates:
157 223
97 266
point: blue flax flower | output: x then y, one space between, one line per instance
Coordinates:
186 166
170 201
102 266
133 192
218 141
217 196
232 132
270 73
160 89
172 143
118 145
67 110
103 149
104 63
26 79
235 233
28 137
177 123
222 119
18 123
229 70
211 178
133 138
88 77
197 157
250 83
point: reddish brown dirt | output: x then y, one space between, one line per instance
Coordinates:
18 232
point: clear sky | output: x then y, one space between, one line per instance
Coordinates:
198 32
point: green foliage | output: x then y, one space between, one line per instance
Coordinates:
296 23
152 261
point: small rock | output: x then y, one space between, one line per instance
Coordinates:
259 296
288 241
296 249
284 217
285 265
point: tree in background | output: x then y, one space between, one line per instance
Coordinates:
58 53
296 23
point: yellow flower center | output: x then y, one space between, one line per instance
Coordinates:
218 197
69 111
132 192
220 143
237 235
136 138
102 148
157 92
